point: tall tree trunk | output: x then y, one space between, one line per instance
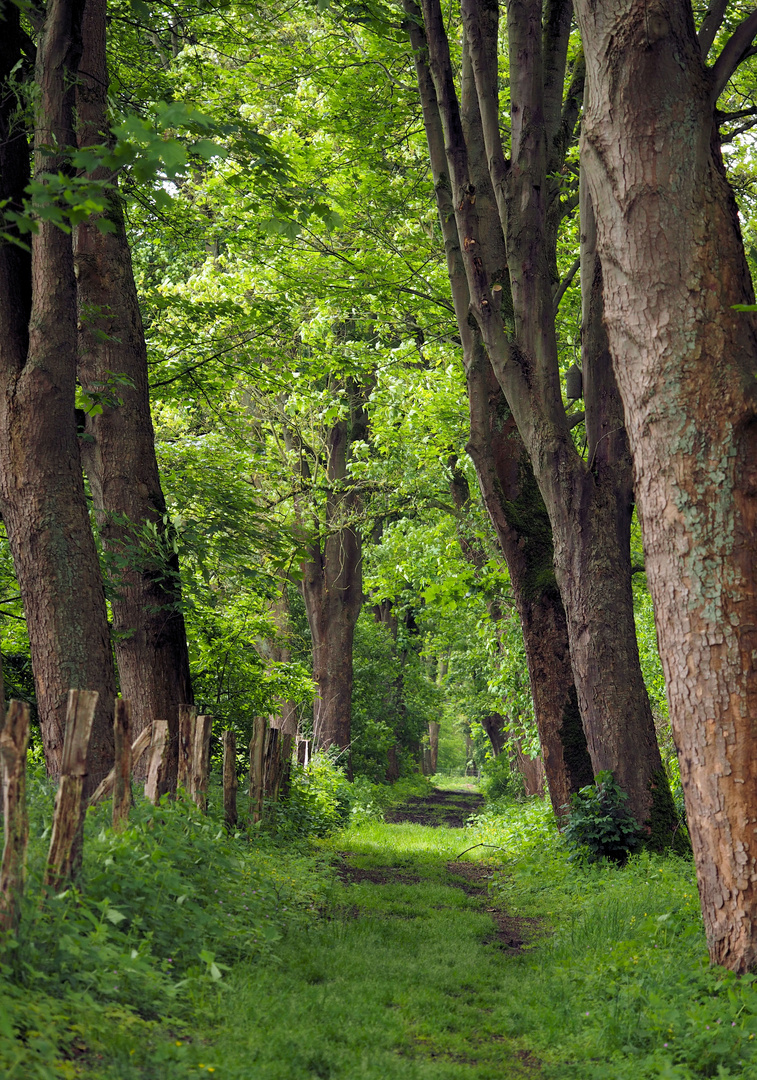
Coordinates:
507 483
118 450
41 485
520 519
674 265
517 327
333 590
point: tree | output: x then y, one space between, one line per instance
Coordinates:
507 244
332 573
41 484
674 267
118 448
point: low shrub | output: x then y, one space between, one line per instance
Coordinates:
500 780
600 825
161 912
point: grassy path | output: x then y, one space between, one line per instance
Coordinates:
410 976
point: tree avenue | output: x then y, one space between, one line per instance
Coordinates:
293 431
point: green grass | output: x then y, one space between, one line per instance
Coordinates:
394 972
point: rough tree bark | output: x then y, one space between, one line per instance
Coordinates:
586 509
673 264
14 739
507 483
41 486
332 586
118 450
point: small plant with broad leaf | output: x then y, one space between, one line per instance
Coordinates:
600 825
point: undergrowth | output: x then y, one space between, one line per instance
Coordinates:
186 951
110 977
620 987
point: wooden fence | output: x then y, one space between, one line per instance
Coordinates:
270 764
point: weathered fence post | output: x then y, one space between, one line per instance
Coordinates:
426 760
201 760
257 749
433 738
286 749
138 747
157 780
64 856
187 724
303 752
14 739
230 779
122 797
272 763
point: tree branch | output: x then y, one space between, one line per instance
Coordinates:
481 32
711 23
565 283
735 51
555 37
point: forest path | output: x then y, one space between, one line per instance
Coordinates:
410 974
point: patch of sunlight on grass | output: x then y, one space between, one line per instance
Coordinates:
395 844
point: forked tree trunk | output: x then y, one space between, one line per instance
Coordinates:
507 481
118 450
674 265
518 330
41 486
517 512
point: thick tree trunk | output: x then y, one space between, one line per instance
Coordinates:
518 329
674 265
506 477
41 485
118 450
333 593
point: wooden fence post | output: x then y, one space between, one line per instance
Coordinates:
14 739
201 761
156 783
138 747
230 779
426 760
64 856
433 738
303 752
286 749
257 748
272 763
187 724
122 797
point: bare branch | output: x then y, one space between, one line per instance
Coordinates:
565 283
735 51
711 23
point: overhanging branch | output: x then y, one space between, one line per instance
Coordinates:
735 51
